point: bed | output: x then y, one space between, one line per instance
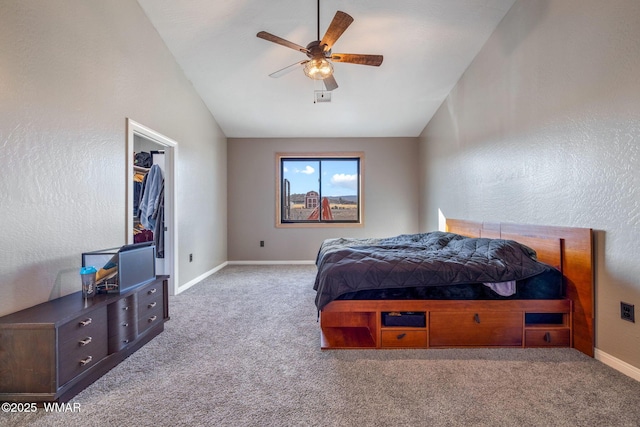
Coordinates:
534 290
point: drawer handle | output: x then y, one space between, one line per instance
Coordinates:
85 361
547 337
152 318
476 318
125 324
125 308
152 291
85 341
153 304
85 322
125 341
400 336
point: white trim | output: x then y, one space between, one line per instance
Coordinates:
200 278
269 262
171 216
617 364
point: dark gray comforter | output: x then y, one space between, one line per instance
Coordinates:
426 259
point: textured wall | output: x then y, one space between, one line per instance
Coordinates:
544 128
70 74
390 195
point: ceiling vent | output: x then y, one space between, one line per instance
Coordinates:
321 96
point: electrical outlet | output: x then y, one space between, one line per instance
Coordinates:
262 243
190 257
627 312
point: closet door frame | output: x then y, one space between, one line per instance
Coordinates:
170 217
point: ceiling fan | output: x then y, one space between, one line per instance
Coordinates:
318 66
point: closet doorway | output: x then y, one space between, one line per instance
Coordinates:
163 153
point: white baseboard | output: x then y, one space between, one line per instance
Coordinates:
617 364
201 277
269 262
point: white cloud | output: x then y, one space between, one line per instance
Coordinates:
308 170
345 181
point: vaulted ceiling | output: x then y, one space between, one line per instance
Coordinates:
427 45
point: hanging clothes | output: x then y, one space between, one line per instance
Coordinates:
140 236
152 187
138 179
158 216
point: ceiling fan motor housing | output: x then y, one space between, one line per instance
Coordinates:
316 50
318 68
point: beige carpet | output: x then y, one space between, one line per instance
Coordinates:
242 349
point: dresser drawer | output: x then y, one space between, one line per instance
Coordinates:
150 292
147 302
121 311
475 329
123 323
84 325
150 306
150 318
404 338
547 337
83 343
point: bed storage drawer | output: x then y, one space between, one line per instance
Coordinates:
540 337
499 328
404 338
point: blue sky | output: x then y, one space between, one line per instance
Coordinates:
339 177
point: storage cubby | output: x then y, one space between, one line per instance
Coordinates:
348 330
407 319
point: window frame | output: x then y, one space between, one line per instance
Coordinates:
318 156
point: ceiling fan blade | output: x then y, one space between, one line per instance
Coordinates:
279 40
287 69
354 58
340 23
330 83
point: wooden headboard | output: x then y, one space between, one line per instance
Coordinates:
566 248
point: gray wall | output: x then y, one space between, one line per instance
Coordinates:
390 195
71 73
544 128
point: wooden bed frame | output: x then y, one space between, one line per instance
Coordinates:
353 324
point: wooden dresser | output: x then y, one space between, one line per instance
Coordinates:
52 351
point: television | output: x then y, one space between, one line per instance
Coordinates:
122 268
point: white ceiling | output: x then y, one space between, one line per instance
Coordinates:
426 44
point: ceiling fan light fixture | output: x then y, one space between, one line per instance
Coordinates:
318 69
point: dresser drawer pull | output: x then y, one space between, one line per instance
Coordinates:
152 318
85 322
85 341
125 324
476 318
153 304
400 336
125 308
125 341
152 291
547 337
85 361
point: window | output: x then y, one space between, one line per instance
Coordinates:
319 189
